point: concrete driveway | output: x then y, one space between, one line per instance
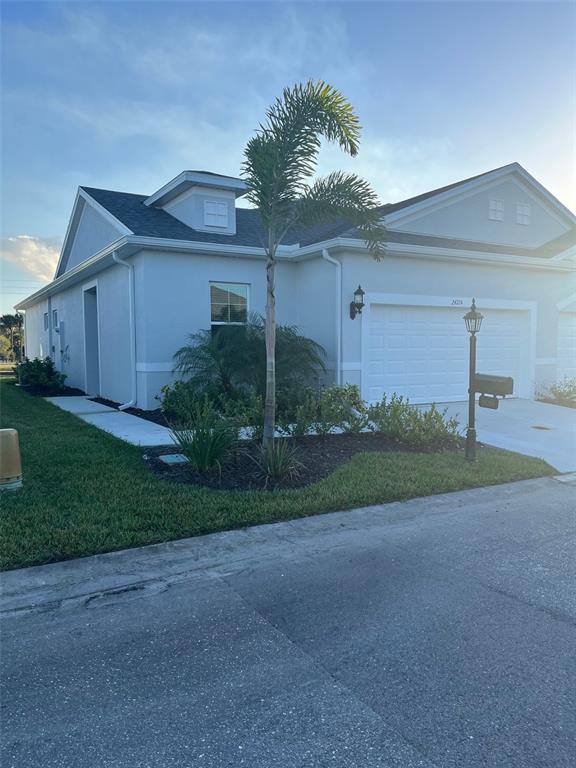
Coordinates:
436 632
526 426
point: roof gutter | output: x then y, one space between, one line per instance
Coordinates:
296 252
132 324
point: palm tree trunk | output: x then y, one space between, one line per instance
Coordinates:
270 335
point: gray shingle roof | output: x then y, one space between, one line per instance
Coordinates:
148 221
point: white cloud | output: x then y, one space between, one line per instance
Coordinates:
37 256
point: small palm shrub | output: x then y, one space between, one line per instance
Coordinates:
206 438
40 375
278 461
231 361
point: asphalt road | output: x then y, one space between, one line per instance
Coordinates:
439 632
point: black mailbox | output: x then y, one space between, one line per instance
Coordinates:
493 385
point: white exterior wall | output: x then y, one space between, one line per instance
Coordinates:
37 340
173 300
315 302
67 349
420 277
94 233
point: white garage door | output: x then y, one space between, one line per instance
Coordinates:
567 346
422 352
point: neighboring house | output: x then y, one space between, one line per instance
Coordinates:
137 274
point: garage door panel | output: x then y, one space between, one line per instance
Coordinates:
567 346
422 352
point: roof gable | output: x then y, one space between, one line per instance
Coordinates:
527 216
91 228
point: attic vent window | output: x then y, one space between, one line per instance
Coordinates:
522 213
496 210
215 214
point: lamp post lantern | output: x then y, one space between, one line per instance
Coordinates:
473 320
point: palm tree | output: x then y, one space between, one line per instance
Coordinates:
279 161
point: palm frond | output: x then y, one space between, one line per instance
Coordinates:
283 153
343 196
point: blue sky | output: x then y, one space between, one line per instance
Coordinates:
125 95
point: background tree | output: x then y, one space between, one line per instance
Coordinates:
11 327
5 348
279 161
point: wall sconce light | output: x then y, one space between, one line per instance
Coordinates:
357 304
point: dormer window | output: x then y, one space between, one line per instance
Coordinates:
216 214
496 210
523 213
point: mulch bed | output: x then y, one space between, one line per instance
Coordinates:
43 392
319 455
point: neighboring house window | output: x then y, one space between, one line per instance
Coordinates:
45 321
215 214
496 210
228 303
522 213
54 318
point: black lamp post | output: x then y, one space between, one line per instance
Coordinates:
473 320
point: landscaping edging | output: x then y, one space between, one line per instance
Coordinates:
319 455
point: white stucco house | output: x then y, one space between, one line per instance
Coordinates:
138 273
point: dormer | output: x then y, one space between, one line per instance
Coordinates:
204 201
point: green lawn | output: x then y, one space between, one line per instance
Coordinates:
86 492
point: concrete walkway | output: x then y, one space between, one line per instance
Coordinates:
529 427
125 426
435 633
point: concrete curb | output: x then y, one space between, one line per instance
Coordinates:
88 580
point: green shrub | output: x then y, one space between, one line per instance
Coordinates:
392 417
206 438
564 390
40 375
341 408
300 418
398 420
246 414
278 461
179 402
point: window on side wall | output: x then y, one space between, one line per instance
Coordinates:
228 304
54 318
45 321
496 210
523 213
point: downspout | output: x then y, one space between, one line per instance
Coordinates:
132 402
326 256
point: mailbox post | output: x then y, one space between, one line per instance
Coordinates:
473 320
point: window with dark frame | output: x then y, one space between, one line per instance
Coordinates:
45 321
228 303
